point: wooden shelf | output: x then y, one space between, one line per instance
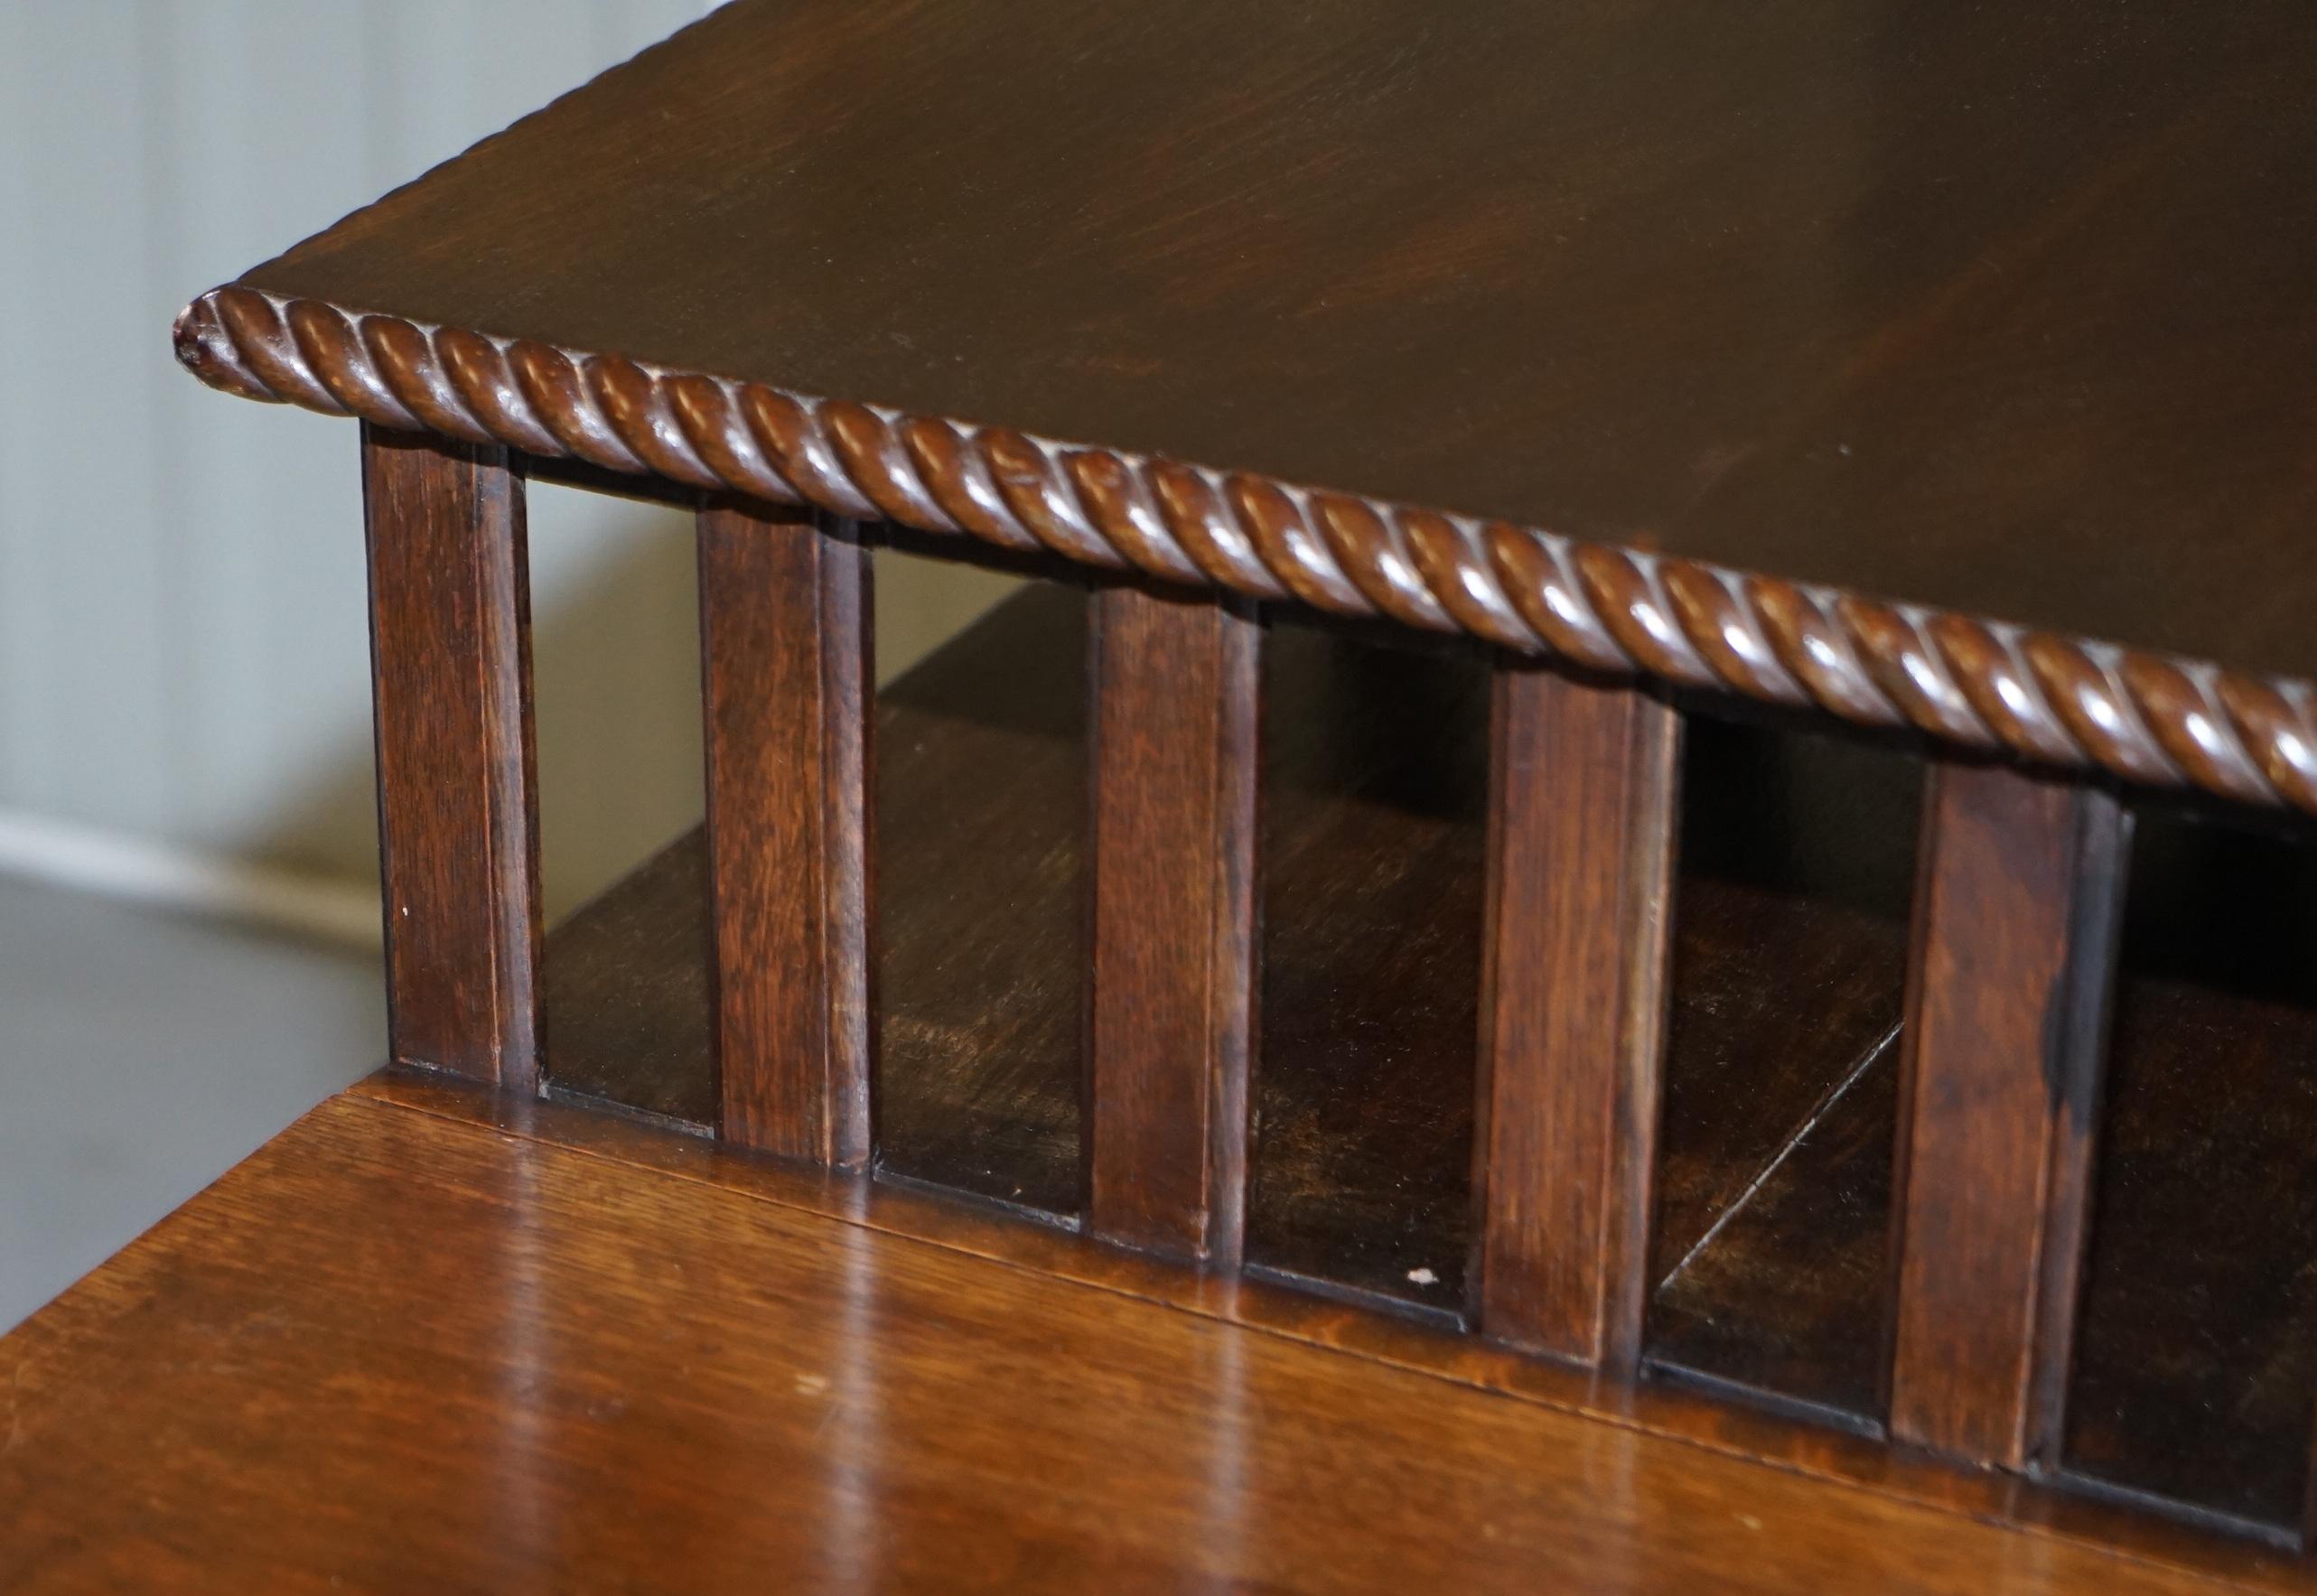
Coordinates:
1931 322
1737 520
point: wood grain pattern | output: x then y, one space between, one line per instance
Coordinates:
983 855
1912 472
1980 683
1791 927
630 992
2195 1371
2001 1064
979 788
1782 1302
1797 867
1581 824
1172 974
451 674
582 1407
1373 803
1894 385
1410 1341
784 640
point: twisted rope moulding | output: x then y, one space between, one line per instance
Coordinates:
1983 685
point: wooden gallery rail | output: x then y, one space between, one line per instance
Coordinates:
1445 448
2012 948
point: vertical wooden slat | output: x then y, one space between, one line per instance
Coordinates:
1175 757
787 682
1580 841
2015 927
451 675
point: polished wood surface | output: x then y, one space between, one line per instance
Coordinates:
1581 829
1172 973
785 675
2205 1219
1410 1340
982 822
1790 923
1999 1084
451 664
980 795
548 1366
1718 385
1373 800
1998 311
1769 1240
630 992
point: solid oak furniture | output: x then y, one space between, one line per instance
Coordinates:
1659 758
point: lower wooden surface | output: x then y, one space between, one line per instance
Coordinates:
403 1350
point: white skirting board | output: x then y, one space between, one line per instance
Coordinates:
187 880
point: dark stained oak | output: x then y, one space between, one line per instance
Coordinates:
980 802
1410 1341
1174 682
630 992
983 851
1780 1304
784 644
1937 370
1582 825
2017 918
2192 1377
1998 311
1373 800
2195 1373
2195 1368
1788 957
322 1373
451 671
1788 978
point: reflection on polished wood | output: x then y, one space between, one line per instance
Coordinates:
1971 333
1796 868
1998 311
531 1367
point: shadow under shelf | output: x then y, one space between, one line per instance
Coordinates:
1788 952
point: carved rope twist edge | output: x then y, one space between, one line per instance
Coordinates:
2049 699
